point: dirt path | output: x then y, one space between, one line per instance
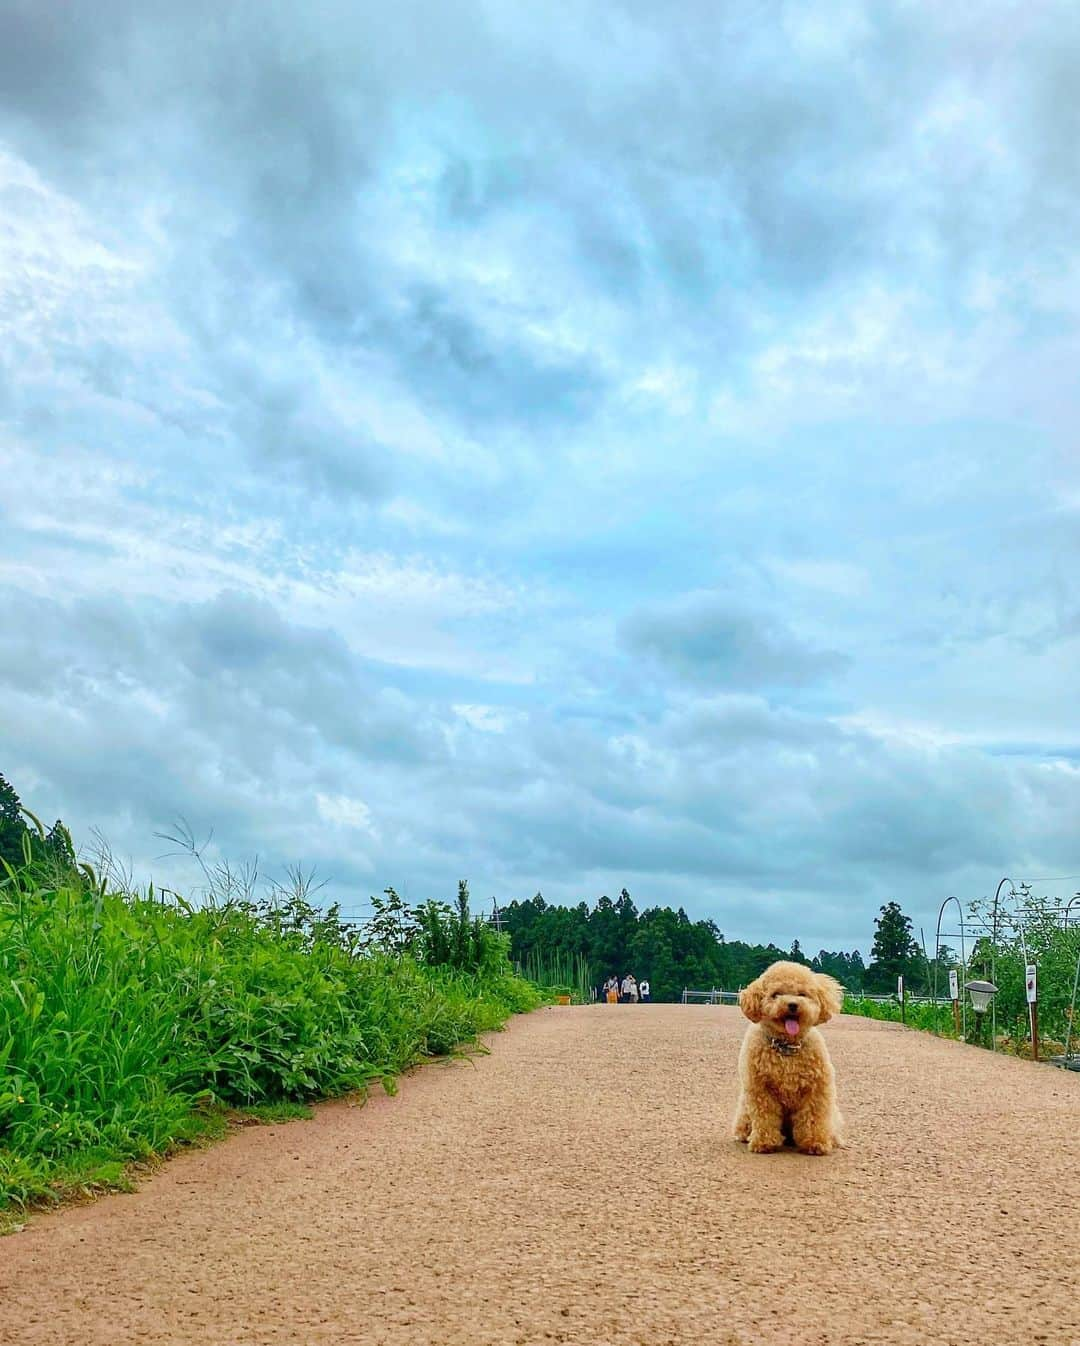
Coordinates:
578 1185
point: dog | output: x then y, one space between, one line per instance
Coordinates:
787 1082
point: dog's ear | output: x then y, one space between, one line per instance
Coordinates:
750 1001
830 996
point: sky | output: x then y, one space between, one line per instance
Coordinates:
565 447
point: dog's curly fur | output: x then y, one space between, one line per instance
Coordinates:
788 1087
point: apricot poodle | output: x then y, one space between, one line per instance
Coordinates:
787 1083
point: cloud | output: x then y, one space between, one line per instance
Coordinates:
565 450
345 812
710 638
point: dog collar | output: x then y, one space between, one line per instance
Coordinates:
785 1048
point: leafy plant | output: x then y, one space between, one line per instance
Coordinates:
126 1019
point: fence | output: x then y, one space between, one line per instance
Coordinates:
710 997
713 996
909 996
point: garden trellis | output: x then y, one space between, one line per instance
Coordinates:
1015 923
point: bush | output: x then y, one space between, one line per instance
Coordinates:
917 1014
122 1017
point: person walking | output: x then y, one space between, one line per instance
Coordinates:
611 988
643 990
626 989
633 989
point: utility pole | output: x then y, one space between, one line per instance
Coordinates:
496 919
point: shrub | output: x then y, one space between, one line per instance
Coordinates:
917 1014
123 1016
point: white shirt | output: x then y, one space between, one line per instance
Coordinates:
644 988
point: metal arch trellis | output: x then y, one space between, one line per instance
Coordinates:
1076 983
963 953
1000 919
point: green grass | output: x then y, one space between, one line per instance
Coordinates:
129 1026
931 1018
268 1113
556 972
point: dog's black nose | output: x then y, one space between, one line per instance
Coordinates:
793 1007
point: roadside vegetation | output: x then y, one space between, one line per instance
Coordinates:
560 973
917 1014
1047 941
133 1022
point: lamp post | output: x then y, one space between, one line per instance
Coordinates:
981 993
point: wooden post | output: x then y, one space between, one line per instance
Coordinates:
902 998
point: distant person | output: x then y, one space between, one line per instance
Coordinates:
626 989
633 989
644 991
612 989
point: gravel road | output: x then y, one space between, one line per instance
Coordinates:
580 1185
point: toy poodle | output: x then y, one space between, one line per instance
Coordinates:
787 1084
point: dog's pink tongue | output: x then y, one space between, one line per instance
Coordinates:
791 1027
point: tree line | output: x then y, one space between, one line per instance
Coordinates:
22 843
667 948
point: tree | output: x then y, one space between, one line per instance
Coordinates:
606 951
394 927
894 950
659 945
847 968
12 826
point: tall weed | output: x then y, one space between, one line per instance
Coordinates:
123 1016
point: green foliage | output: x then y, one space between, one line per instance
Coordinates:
21 845
451 937
561 973
1001 960
895 952
394 927
659 945
1053 949
848 968
917 1014
12 826
122 1017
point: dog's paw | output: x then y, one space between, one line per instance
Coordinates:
765 1144
818 1147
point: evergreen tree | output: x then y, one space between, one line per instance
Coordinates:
18 841
894 950
12 826
605 945
661 945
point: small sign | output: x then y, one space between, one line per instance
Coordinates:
1029 984
900 987
954 985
